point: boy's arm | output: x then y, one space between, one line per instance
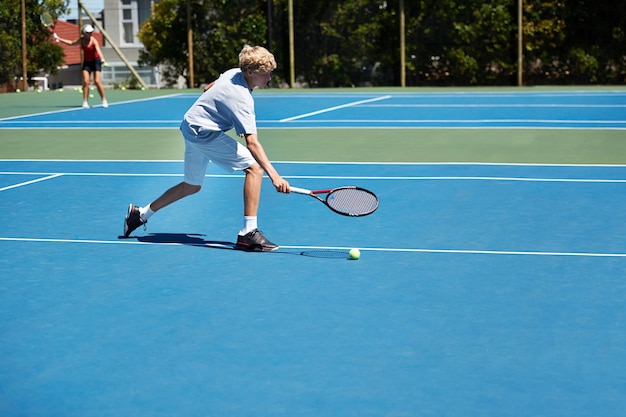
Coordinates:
257 151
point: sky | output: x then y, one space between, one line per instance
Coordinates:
94 6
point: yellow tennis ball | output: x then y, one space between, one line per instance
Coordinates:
90 95
17 90
354 254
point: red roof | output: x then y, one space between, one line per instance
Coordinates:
70 32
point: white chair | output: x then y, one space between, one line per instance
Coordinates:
43 80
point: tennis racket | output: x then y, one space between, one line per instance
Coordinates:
347 201
48 22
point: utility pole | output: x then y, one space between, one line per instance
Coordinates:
80 19
190 48
292 59
520 43
402 46
24 83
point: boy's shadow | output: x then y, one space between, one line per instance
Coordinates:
198 240
192 239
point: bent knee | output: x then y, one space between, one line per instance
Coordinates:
191 189
254 169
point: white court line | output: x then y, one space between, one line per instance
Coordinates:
30 182
352 104
372 249
86 110
458 94
341 124
91 121
179 161
324 177
469 121
598 106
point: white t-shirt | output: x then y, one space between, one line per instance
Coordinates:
227 105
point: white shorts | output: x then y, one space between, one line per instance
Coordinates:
202 147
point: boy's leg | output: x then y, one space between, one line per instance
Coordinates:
138 216
251 238
252 190
174 194
195 168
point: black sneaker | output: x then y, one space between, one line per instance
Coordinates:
132 220
254 241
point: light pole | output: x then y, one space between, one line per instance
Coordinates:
292 59
402 46
520 43
24 70
190 48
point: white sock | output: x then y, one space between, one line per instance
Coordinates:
249 224
145 213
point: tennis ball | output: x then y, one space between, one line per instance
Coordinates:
354 254
90 95
17 90
39 91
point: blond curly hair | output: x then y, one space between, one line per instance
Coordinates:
256 59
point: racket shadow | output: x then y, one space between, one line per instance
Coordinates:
318 253
199 240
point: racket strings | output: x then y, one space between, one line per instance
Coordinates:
352 201
46 19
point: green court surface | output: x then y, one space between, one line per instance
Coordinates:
543 146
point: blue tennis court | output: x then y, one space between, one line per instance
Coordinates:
482 289
606 110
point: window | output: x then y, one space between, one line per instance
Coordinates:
130 22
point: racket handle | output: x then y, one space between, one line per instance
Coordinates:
299 190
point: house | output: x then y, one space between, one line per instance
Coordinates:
121 20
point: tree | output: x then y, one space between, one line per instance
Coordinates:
42 54
343 43
358 37
454 42
544 39
596 38
220 29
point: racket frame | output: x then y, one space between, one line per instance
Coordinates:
328 192
47 17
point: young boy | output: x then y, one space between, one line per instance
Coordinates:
226 104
